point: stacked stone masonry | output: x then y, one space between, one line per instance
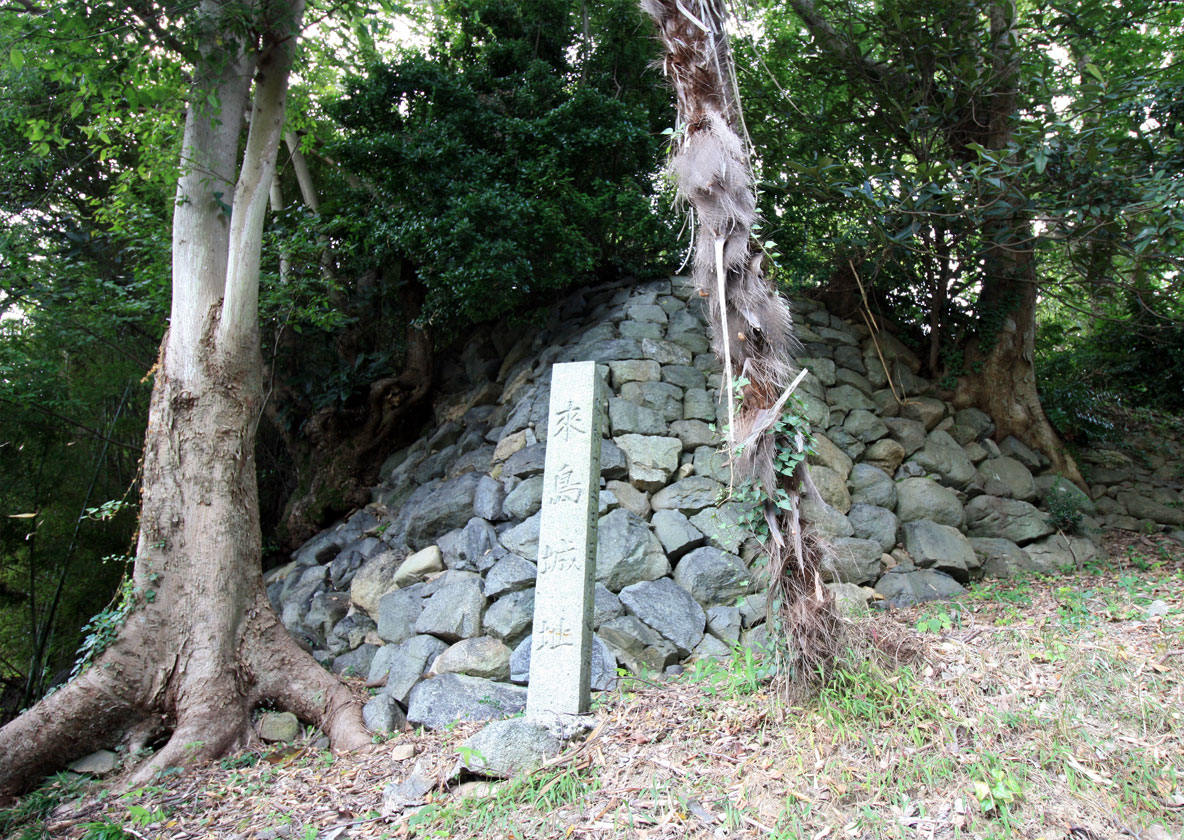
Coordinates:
429 590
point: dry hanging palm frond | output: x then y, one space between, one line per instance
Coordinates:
752 330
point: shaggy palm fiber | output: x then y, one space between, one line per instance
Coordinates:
751 326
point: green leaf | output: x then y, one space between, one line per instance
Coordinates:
16 58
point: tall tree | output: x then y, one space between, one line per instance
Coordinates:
201 646
942 84
751 326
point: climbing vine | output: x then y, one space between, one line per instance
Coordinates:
791 426
105 627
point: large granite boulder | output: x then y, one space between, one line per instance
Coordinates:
636 646
1011 519
713 576
506 748
904 587
852 560
1011 474
374 579
626 551
874 523
924 498
932 545
483 656
999 557
1057 553
446 698
832 487
651 459
870 485
945 457
454 612
669 609
448 506
689 495
676 533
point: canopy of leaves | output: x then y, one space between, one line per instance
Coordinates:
514 156
875 138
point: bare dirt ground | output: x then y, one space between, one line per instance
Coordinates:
1042 707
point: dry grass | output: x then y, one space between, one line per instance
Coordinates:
1042 708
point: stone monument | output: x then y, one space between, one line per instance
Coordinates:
561 647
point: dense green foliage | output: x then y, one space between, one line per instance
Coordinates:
83 262
516 152
514 156
877 163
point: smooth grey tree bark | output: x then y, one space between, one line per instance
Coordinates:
202 646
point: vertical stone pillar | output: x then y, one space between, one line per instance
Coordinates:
561 646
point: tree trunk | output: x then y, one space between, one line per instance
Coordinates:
1002 381
1001 358
201 646
751 326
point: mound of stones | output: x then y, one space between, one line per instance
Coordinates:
428 592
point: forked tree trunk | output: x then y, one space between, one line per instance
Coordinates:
202 646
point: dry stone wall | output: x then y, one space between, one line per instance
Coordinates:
429 591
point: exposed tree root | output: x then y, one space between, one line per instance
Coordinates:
73 721
104 708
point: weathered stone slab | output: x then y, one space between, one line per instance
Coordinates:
525 499
509 618
903 588
447 698
941 547
397 613
651 459
627 552
669 609
924 498
509 574
636 646
483 656
1011 474
853 560
407 664
713 576
626 417
676 533
505 748
562 636
689 495
453 612
1011 519
870 485
448 506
